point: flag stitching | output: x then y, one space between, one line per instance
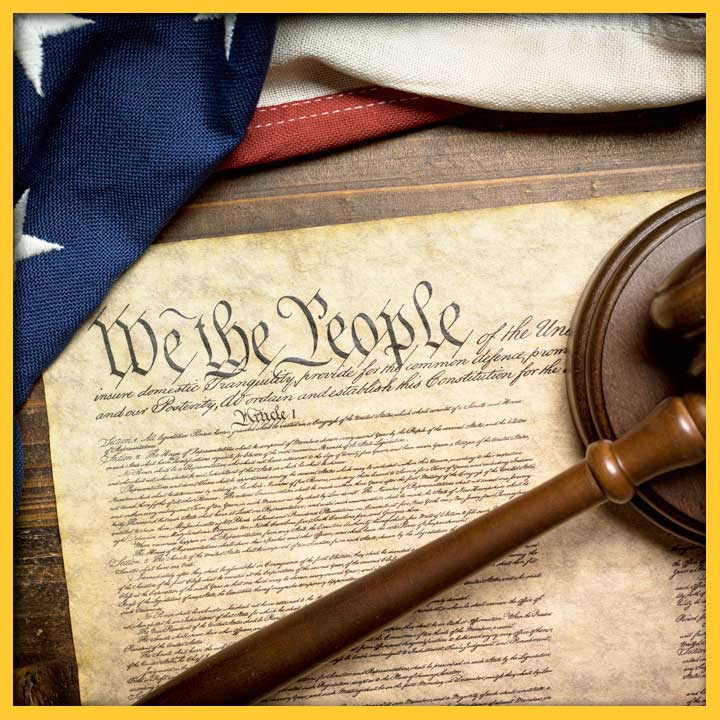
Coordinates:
271 108
334 112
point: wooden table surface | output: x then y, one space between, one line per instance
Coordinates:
485 159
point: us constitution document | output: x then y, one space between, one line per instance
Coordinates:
247 423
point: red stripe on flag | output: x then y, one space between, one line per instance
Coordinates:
324 123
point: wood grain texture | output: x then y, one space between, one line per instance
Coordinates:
485 159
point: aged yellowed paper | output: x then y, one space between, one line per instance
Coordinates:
246 423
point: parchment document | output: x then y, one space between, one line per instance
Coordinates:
247 423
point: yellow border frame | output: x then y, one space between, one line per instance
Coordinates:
713 491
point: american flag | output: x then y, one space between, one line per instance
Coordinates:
119 118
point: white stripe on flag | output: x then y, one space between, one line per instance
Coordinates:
537 63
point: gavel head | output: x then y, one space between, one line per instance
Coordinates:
639 326
678 308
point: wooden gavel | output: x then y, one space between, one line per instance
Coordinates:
671 437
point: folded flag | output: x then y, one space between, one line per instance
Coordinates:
118 119
340 79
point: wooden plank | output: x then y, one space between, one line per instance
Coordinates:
483 160
330 207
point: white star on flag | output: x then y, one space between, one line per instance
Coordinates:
30 30
229 27
26 246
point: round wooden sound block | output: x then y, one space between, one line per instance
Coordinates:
620 367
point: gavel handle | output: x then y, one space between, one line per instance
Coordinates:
672 436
